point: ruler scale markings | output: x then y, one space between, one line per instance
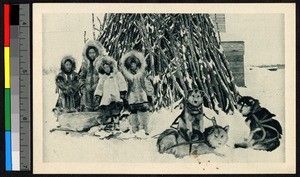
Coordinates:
25 115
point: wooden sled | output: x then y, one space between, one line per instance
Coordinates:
77 121
81 121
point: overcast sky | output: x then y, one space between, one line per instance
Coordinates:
63 34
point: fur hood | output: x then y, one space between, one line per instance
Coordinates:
125 65
62 63
100 61
94 44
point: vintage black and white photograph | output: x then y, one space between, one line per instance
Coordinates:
200 88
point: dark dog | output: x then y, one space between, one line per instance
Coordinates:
265 131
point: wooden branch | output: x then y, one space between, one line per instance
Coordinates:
93 22
183 51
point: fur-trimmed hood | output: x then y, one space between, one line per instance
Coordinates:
92 44
64 59
125 65
100 61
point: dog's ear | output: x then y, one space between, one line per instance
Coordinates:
252 101
238 97
190 92
257 102
226 128
209 131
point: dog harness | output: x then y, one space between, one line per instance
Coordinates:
194 109
261 124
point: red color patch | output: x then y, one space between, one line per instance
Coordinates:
6 25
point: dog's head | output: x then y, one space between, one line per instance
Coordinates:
216 136
195 98
247 104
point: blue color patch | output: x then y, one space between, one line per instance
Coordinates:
8 152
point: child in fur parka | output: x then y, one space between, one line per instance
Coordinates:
89 76
111 90
140 90
67 86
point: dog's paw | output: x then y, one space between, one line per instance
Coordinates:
161 149
236 145
241 145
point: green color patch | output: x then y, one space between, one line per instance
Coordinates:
7 110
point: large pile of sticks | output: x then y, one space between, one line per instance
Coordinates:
182 53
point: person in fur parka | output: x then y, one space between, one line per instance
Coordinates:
140 90
88 73
67 86
111 89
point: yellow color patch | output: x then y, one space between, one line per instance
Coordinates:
7 66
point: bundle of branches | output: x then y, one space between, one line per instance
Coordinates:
182 53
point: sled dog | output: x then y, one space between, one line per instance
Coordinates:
265 131
171 142
190 121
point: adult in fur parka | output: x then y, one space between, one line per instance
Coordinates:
111 89
140 90
67 86
88 73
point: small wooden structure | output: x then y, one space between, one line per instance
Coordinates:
234 51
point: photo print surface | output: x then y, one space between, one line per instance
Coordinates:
163 88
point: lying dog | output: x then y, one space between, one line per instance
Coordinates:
171 142
190 122
265 131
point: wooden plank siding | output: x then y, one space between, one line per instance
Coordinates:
220 19
234 52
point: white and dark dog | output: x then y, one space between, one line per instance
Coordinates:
265 131
190 123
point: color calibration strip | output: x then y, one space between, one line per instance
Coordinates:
17 87
8 152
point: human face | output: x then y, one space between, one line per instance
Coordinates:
68 66
106 68
92 54
133 66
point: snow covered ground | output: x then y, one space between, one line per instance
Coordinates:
265 85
